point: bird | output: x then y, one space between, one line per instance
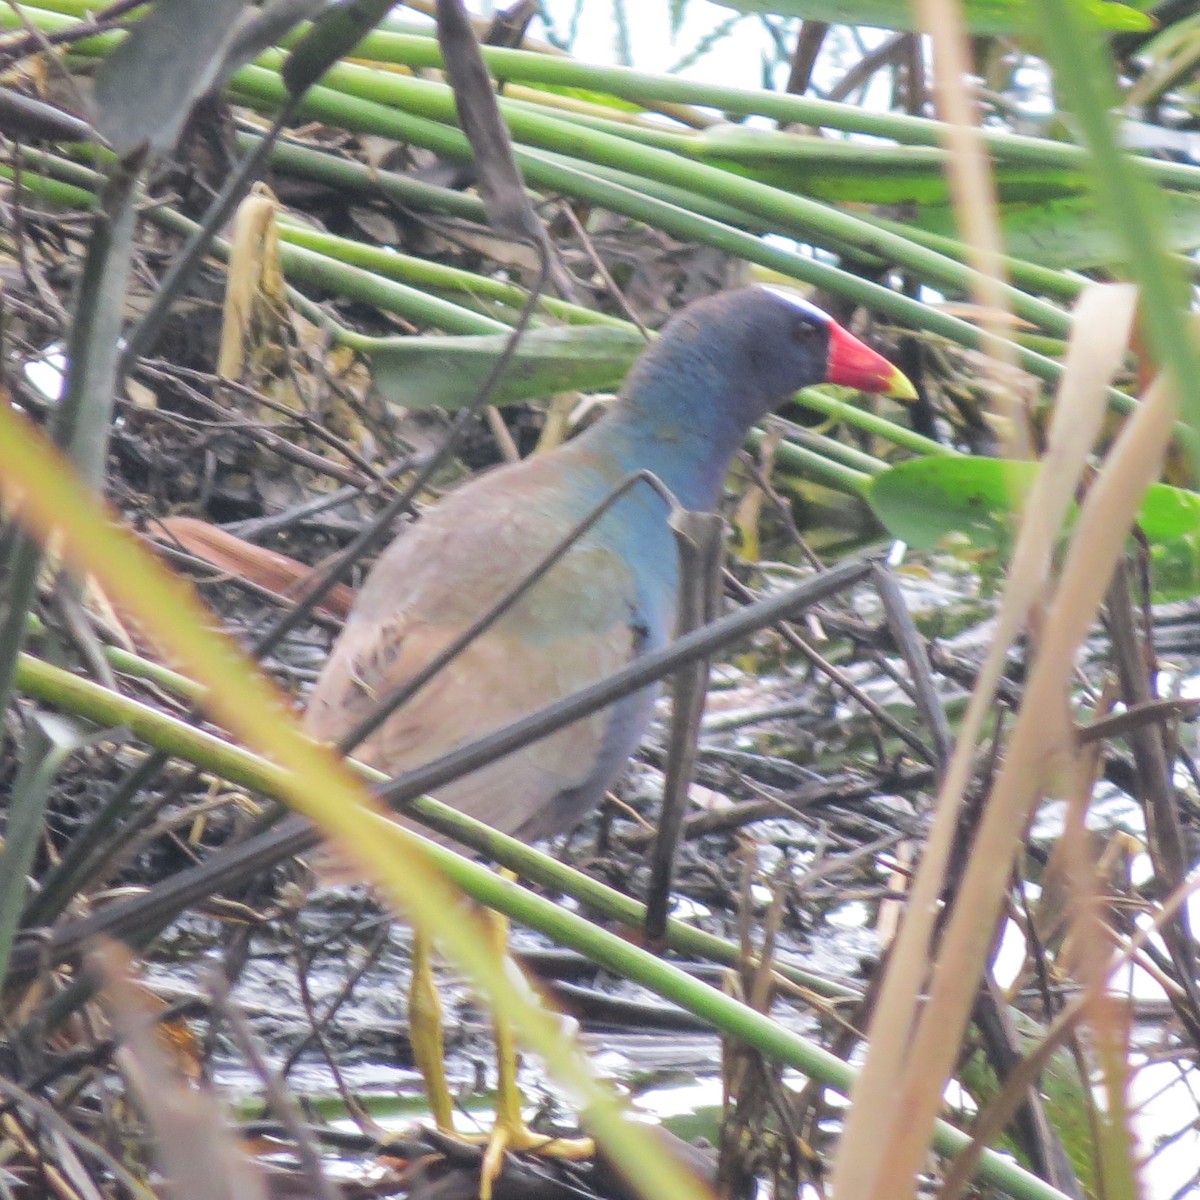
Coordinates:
719 366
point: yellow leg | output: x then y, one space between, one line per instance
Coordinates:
427 1034
425 1030
510 1131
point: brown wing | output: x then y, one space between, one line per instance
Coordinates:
493 682
571 629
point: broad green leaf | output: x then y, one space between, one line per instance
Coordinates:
1175 569
923 500
1068 231
920 503
1168 513
982 16
447 372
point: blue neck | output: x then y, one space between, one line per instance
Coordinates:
680 417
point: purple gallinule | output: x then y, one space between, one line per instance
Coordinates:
720 365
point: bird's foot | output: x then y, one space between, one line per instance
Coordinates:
519 1138
510 1132
503 1138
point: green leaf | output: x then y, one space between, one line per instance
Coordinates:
1168 513
922 500
1069 231
447 372
1175 569
982 16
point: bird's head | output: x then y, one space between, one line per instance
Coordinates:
720 365
772 343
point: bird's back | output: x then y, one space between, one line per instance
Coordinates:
595 610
